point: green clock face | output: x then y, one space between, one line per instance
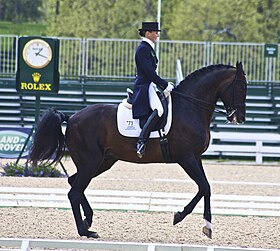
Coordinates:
37 53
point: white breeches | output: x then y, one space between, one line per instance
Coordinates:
154 99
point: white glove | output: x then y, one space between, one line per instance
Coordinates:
169 87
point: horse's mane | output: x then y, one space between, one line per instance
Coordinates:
205 70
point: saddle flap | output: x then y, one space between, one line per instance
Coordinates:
130 127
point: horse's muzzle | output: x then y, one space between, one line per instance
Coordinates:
235 117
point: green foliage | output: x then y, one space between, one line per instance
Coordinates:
99 18
189 20
224 20
269 20
21 10
43 170
30 29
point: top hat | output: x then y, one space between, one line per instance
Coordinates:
149 26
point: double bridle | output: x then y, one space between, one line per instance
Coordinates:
233 104
207 105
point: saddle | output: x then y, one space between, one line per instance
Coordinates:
130 127
162 120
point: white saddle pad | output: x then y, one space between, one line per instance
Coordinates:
130 127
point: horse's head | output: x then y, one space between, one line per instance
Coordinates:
234 96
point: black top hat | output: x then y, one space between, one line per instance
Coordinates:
149 26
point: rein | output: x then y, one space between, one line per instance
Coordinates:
231 109
207 105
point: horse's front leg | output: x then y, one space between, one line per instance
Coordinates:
207 229
194 169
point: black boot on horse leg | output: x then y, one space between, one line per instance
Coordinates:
145 133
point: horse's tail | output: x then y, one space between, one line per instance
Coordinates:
49 142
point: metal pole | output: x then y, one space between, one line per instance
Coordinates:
158 19
37 111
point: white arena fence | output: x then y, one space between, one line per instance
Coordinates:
257 145
46 244
104 57
239 205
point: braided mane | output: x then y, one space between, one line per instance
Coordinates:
205 70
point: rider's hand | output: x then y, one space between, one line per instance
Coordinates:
170 87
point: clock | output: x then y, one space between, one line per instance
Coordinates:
37 53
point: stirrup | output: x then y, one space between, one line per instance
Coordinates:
140 147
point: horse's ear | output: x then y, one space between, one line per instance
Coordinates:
239 68
238 64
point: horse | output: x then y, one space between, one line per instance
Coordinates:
95 144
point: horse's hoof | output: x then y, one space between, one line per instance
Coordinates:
92 234
207 232
177 218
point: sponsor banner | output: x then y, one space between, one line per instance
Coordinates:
12 141
270 50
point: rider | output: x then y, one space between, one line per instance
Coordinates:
147 83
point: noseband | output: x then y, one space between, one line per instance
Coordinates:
232 108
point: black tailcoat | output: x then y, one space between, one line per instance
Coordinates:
146 65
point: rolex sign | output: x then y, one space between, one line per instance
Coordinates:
37 69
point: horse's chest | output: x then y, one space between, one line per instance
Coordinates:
199 141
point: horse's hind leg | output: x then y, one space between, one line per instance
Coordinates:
88 213
76 197
194 169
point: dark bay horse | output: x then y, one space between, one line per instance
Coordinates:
95 144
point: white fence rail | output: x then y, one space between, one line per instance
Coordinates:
46 244
105 57
144 201
26 244
258 145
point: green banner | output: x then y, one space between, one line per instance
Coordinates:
271 50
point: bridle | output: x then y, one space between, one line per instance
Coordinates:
205 104
230 110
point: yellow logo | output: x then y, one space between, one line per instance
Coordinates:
36 77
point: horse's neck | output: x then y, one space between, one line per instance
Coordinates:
201 95
206 91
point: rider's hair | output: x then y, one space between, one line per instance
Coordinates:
142 33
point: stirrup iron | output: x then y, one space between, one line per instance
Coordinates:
141 151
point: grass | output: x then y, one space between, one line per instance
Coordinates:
22 29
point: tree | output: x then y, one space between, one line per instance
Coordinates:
269 11
214 20
99 18
193 20
21 10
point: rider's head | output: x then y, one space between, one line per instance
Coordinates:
150 30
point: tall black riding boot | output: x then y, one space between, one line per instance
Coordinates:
145 133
